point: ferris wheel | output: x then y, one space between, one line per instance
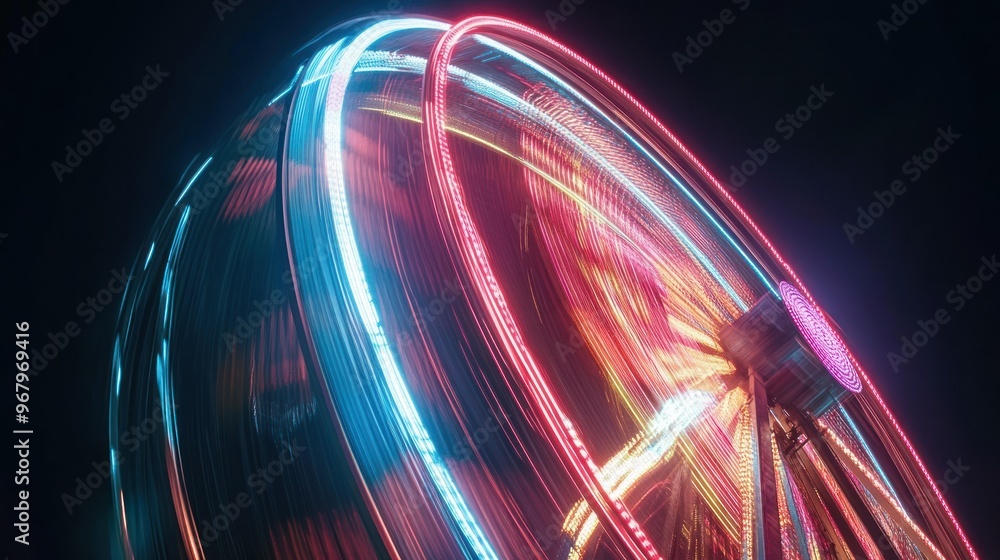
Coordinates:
452 292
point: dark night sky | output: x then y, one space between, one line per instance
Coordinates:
939 69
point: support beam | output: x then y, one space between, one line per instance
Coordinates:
890 506
837 470
767 544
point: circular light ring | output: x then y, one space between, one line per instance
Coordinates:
821 337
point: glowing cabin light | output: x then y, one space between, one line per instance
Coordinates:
821 337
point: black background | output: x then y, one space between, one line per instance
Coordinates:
63 239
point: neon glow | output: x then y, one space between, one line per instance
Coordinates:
821 337
479 290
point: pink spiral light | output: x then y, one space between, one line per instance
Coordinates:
821 337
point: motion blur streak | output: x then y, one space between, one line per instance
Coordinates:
401 399
449 291
624 470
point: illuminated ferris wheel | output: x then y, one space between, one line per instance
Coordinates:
500 311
